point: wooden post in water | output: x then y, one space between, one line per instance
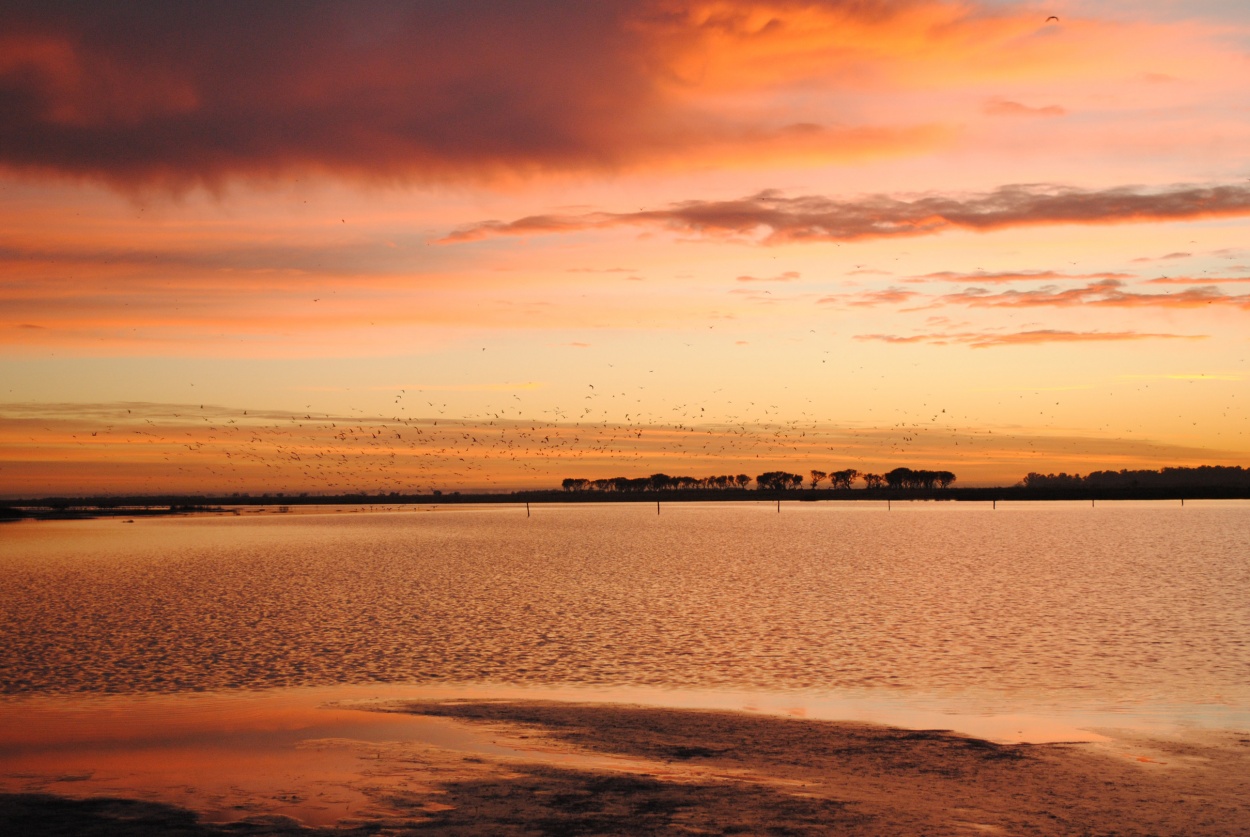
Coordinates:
887 503
527 509
995 506
778 507
657 507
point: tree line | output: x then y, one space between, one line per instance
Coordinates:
768 481
1204 476
656 482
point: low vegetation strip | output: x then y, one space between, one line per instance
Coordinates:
1209 482
767 481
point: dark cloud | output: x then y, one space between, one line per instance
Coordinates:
988 339
184 93
173 95
772 218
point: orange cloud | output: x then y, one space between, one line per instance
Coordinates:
870 299
1176 255
1108 292
1018 276
788 276
1003 107
1199 280
770 218
985 340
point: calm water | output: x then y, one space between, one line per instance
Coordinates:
1125 606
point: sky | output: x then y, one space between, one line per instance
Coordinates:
376 246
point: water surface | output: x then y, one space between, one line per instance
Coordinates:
1132 607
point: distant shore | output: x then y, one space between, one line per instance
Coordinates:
174 504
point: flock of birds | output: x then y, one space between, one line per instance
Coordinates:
426 445
420 448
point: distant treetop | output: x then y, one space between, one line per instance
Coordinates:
1203 476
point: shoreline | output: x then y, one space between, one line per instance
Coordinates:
99 508
515 766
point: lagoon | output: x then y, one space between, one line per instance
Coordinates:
1124 607
190 659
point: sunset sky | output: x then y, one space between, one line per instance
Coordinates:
320 247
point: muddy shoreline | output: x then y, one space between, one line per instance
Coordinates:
613 769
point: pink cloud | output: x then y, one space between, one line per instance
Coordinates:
1003 107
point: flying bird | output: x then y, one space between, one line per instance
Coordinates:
1052 17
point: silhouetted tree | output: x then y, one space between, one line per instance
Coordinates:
873 480
817 476
843 479
778 481
899 478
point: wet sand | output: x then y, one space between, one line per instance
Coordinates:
567 768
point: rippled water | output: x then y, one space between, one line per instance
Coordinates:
1052 604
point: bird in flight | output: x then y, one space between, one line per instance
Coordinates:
1052 17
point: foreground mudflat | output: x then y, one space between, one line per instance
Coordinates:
564 768
728 772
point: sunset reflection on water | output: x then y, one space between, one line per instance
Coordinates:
1041 604
228 756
